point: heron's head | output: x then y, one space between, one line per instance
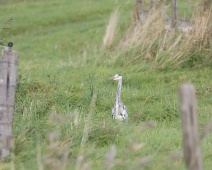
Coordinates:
117 77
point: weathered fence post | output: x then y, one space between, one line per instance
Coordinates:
191 141
152 4
174 13
138 9
8 74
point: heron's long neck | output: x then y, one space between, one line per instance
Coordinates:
118 93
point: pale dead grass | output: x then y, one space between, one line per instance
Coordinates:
139 34
56 153
111 28
164 46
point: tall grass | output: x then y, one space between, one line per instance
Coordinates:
152 41
62 117
111 28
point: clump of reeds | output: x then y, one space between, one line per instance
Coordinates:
143 35
111 28
56 153
108 163
152 41
202 31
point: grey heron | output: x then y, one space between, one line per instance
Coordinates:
119 110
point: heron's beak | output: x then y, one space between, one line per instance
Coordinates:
112 78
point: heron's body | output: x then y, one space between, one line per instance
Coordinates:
119 110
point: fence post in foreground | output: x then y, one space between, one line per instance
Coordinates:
8 74
191 141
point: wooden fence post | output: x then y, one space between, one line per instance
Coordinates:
191 141
174 13
152 4
138 9
8 74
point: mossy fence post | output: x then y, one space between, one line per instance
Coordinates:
8 75
191 141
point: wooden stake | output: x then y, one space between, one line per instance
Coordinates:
8 74
138 9
191 141
174 13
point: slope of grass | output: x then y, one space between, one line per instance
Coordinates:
64 97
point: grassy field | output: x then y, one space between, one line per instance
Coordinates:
64 97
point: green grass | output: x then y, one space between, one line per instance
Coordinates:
62 65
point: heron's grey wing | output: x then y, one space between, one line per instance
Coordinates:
123 111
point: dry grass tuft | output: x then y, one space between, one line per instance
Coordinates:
82 164
73 118
144 36
109 158
56 152
111 28
207 130
202 31
142 163
152 40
